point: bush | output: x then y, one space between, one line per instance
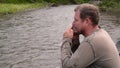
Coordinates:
109 4
81 1
60 1
20 1
49 1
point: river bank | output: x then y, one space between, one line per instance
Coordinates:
113 12
9 8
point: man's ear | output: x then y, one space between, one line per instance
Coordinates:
88 21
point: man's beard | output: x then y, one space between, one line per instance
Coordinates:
75 32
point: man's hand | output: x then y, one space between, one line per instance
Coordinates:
69 33
75 38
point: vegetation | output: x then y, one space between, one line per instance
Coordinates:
12 6
67 1
111 7
20 1
110 4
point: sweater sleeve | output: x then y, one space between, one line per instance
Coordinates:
83 56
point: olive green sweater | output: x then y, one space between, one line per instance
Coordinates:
96 51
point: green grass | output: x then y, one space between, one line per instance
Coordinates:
8 8
117 6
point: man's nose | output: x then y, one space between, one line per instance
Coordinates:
73 22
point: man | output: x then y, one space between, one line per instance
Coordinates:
97 49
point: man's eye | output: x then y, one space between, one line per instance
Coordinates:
76 20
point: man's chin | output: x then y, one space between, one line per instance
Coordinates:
76 33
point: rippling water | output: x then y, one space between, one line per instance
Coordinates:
33 39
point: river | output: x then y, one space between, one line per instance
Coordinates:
32 39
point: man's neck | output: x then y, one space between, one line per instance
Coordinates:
90 30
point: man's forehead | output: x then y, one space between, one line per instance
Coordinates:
77 14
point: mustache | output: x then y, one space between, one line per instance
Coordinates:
74 32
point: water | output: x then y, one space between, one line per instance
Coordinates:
32 39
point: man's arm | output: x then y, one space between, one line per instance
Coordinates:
73 37
82 57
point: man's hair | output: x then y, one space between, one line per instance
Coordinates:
89 11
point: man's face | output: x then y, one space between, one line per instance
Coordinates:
78 24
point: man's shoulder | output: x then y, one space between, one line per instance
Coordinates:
97 36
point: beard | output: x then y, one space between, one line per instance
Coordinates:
75 32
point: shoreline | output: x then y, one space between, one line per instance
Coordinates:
6 9
34 6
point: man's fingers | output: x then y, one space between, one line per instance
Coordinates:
68 33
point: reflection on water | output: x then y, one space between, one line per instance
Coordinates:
33 39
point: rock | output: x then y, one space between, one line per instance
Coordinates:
118 43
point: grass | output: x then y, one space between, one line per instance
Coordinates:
110 5
8 8
118 6
115 9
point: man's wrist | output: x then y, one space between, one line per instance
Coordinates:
66 39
